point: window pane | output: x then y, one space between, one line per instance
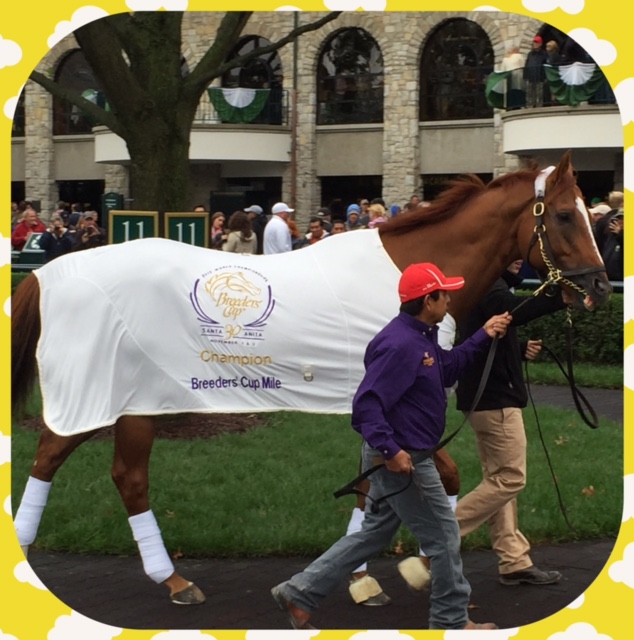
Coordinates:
455 64
350 79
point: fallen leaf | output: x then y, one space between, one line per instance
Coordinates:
561 440
472 606
177 554
587 491
169 514
398 548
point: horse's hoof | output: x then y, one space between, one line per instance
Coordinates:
415 573
191 594
365 588
379 600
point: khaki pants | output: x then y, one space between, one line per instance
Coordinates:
501 443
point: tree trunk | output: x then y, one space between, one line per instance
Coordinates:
159 168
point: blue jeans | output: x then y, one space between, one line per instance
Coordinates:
424 509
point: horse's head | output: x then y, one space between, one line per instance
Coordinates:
228 282
561 245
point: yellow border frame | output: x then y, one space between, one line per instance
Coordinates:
605 610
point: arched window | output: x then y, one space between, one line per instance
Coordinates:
456 61
18 128
262 72
75 73
350 79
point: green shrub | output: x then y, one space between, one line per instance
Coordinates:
597 336
16 278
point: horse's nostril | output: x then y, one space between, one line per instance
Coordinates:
601 287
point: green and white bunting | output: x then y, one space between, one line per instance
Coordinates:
238 105
495 90
574 83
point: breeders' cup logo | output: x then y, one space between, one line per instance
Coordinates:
233 304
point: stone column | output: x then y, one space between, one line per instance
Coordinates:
401 136
38 149
117 180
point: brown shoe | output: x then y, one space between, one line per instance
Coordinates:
297 618
474 626
532 575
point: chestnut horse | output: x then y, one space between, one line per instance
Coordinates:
472 229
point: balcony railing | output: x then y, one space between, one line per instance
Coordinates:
274 112
518 94
69 120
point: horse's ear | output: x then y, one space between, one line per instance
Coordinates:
564 167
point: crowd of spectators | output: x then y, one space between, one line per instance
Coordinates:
71 228
68 228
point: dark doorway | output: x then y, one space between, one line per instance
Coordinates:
264 192
595 184
17 191
337 192
434 184
87 192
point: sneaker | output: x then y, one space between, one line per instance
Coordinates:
532 575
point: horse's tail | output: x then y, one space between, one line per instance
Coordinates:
25 333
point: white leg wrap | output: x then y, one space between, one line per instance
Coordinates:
27 519
156 561
356 521
364 589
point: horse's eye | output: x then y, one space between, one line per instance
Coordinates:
564 216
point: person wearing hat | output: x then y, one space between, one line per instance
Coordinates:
399 409
598 211
277 235
353 217
534 73
608 233
258 223
325 215
90 235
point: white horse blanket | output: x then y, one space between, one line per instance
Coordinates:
155 326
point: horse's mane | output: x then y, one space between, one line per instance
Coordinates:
459 192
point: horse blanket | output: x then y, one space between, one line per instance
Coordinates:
155 326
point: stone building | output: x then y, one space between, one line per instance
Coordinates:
372 104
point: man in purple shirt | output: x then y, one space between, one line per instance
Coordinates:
399 409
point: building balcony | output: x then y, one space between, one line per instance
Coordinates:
266 138
547 126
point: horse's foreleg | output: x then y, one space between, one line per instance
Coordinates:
133 444
52 451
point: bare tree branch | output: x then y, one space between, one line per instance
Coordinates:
212 64
100 115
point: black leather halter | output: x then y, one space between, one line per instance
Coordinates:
555 275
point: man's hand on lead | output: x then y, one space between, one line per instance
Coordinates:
497 325
400 463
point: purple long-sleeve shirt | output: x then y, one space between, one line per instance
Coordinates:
401 401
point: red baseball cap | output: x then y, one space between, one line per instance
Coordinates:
422 278
538 39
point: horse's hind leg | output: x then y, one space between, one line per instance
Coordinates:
52 451
133 445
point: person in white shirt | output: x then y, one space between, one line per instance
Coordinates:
277 236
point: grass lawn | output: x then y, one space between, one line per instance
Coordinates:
269 491
585 375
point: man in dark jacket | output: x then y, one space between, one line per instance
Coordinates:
499 429
608 233
56 240
534 73
258 222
